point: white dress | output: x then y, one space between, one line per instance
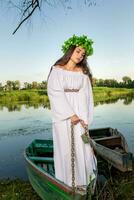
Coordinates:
63 105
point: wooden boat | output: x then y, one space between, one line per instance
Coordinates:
108 143
111 145
40 168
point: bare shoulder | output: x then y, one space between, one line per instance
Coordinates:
77 69
59 66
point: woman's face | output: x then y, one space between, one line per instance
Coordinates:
78 54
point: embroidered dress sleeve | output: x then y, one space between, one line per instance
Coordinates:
60 107
86 101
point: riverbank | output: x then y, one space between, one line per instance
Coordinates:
17 189
40 96
118 187
104 94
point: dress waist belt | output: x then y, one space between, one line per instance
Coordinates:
71 90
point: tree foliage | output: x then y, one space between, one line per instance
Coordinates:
16 85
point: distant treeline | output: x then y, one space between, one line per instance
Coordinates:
16 85
126 82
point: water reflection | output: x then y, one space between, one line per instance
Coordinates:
17 106
32 120
127 100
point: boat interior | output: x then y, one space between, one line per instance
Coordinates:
41 151
110 138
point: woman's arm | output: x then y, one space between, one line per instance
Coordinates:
86 102
60 107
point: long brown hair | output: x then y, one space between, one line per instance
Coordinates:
83 64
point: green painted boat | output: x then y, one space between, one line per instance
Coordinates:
109 143
40 169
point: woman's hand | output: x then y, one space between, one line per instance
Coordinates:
75 119
83 124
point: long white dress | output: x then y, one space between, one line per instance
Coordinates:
63 105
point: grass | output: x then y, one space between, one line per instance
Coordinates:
119 186
102 94
17 190
23 95
40 96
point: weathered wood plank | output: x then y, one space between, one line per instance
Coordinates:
111 141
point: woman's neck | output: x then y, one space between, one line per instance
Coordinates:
71 65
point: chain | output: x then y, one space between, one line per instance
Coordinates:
72 158
86 133
73 161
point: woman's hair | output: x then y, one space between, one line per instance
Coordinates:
83 64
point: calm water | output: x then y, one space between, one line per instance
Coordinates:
20 124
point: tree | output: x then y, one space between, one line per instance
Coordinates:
26 85
94 81
1 86
28 7
16 85
100 82
44 85
34 85
126 79
9 85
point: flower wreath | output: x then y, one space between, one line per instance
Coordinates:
82 41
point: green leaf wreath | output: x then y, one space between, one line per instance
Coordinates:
82 41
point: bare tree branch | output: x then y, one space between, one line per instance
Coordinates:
34 5
28 7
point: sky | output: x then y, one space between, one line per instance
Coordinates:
29 54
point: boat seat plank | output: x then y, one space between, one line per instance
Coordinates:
39 145
108 138
111 141
42 159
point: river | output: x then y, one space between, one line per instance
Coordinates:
22 123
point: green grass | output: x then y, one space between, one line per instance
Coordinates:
120 187
38 96
17 190
102 94
23 96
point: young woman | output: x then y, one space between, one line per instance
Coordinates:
69 89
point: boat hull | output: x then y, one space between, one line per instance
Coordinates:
40 152
111 145
49 188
